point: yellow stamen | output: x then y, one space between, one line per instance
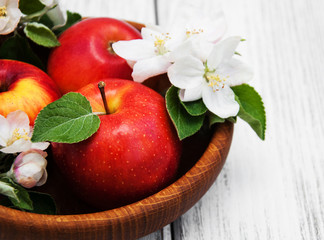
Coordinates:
159 43
16 135
215 82
190 33
3 12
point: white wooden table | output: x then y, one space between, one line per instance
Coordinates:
272 189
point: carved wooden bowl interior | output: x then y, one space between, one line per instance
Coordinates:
203 158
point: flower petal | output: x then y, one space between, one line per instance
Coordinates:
190 17
4 131
186 72
57 16
184 49
43 179
37 157
223 51
40 145
28 175
150 34
222 103
176 38
192 94
20 145
131 63
215 27
18 120
3 24
47 3
12 4
201 47
150 67
153 27
235 71
9 23
134 50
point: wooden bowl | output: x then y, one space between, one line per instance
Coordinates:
131 221
203 159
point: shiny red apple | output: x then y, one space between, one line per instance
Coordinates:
25 87
134 154
85 54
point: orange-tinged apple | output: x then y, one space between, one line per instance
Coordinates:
86 55
25 87
134 154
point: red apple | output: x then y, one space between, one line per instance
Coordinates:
85 54
134 154
25 87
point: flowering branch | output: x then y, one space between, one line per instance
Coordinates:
27 159
202 68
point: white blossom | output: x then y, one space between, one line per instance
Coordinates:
15 134
211 77
10 15
162 45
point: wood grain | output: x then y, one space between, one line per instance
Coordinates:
271 189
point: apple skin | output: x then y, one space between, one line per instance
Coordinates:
25 87
134 154
85 54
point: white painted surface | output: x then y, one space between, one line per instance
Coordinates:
272 189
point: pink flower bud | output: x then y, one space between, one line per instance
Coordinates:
29 168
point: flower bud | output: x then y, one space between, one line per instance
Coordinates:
29 168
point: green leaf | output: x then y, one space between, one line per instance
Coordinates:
43 203
46 21
185 124
71 19
251 108
232 119
18 196
18 48
7 189
215 119
195 108
28 7
41 34
67 120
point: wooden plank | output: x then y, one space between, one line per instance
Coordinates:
139 10
153 236
271 189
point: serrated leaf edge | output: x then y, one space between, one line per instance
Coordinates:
263 109
36 24
181 137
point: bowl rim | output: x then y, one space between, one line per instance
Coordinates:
212 159
139 215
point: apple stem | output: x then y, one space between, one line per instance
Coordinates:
101 86
110 48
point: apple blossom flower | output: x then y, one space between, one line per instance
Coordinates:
29 168
10 15
150 54
209 24
211 78
159 48
15 133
